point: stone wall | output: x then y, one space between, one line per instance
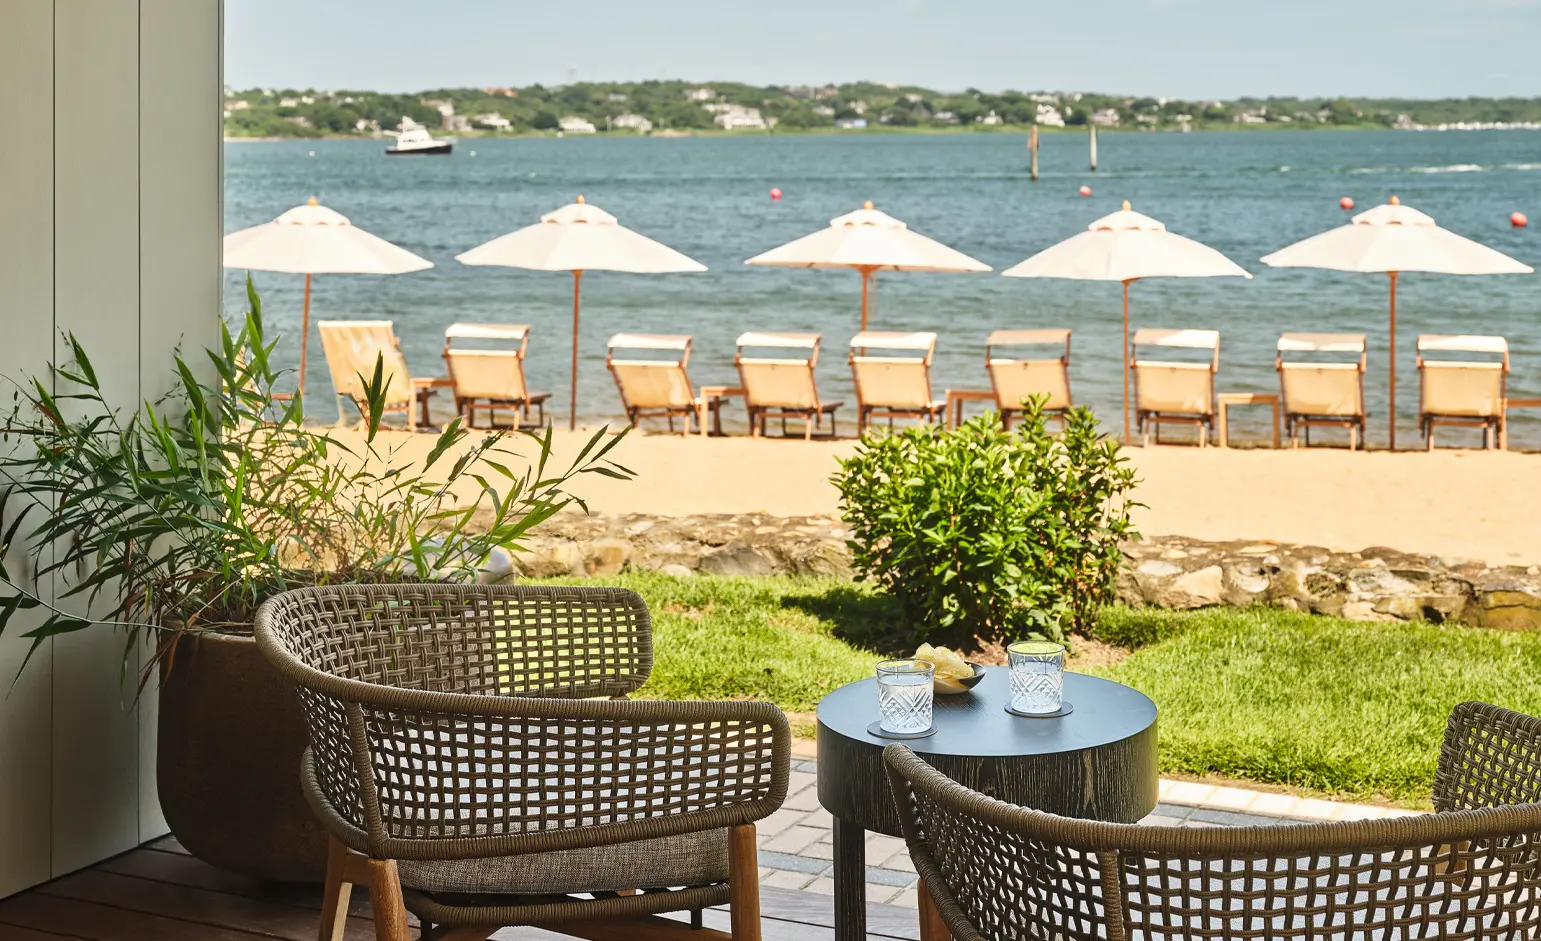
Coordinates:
1167 571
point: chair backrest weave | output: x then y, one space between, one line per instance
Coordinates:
998 871
453 721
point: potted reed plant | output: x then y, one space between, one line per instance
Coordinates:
170 523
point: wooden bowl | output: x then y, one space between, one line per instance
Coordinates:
949 686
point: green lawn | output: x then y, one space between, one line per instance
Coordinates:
1311 703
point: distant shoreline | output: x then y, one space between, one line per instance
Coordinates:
1017 130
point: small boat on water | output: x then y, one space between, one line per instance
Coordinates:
413 140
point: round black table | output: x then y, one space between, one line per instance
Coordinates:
1097 763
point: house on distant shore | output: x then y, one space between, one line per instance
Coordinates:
992 119
740 118
458 123
1106 117
238 104
632 122
494 121
945 117
1049 116
851 123
700 94
572 124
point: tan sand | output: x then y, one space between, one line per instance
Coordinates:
1455 504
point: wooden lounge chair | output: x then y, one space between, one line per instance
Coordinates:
782 386
1015 379
352 349
894 385
475 761
1320 393
490 379
991 870
652 387
1172 391
1464 393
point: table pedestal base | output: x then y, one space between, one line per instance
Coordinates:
850 881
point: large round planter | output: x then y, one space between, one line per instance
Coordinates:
231 734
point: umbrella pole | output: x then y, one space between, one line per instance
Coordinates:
866 286
1126 362
304 334
572 401
1393 391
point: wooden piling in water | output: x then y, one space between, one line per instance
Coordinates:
1094 147
1032 150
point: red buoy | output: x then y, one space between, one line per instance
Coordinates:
775 192
1518 220
1086 191
1346 203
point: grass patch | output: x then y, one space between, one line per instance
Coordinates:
1352 709
1313 704
754 638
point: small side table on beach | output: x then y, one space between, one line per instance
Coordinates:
710 394
1225 400
423 388
956 398
1097 763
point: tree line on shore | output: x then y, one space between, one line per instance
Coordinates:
690 106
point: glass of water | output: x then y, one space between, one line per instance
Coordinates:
1037 676
904 695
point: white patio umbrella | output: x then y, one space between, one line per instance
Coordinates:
868 240
1391 239
312 239
578 238
1126 246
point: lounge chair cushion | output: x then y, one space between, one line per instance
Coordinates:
690 859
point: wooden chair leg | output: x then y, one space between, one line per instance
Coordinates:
743 883
808 428
390 911
337 892
932 927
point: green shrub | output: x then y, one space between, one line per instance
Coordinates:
985 532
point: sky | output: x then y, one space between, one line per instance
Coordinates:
1195 49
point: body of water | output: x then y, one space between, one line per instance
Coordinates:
1245 194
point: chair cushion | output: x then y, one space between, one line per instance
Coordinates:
691 859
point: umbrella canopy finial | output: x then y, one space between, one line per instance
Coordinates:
580 199
1126 205
1396 200
867 204
312 202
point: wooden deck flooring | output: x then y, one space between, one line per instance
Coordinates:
159 893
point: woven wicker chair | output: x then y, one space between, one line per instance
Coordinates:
470 769
1470 871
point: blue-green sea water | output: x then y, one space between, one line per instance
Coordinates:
1246 194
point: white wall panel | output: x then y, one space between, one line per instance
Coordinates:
96 297
26 310
110 228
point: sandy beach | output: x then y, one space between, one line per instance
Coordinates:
1453 504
